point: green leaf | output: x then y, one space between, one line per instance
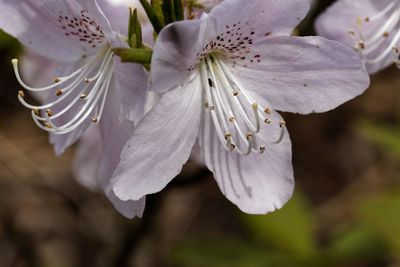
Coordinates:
289 229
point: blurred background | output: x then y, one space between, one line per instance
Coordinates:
345 211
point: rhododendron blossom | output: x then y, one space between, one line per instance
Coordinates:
93 86
371 27
222 78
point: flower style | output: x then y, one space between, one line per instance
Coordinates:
371 27
222 78
101 90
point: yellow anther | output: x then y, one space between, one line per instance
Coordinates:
268 111
249 136
49 112
361 45
48 125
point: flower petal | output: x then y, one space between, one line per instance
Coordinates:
275 17
48 27
257 183
131 84
87 159
174 51
160 144
98 15
115 132
303 74
345 15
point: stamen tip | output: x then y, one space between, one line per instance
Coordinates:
14 61
21 93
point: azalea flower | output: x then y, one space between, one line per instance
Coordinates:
79 37
93 89
371 27
222 78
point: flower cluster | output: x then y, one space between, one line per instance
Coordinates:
198 74
371 27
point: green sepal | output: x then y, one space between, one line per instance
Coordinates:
134 55
134 30
151 14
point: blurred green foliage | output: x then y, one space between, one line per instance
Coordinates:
287 239
385 136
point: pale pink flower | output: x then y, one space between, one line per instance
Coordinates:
222 78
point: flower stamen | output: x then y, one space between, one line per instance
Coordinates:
98 70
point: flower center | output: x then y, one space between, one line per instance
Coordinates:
237 118
375 41
75 99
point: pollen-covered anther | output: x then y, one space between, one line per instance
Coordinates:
268 111
385 34
83 96
235 93
94 119
228 136
48 125
56 80
282 124
49 112
212 108
232 119
262 149
249 136
59 92
366 19
36 112
267 121
86 80
21 93
361 45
